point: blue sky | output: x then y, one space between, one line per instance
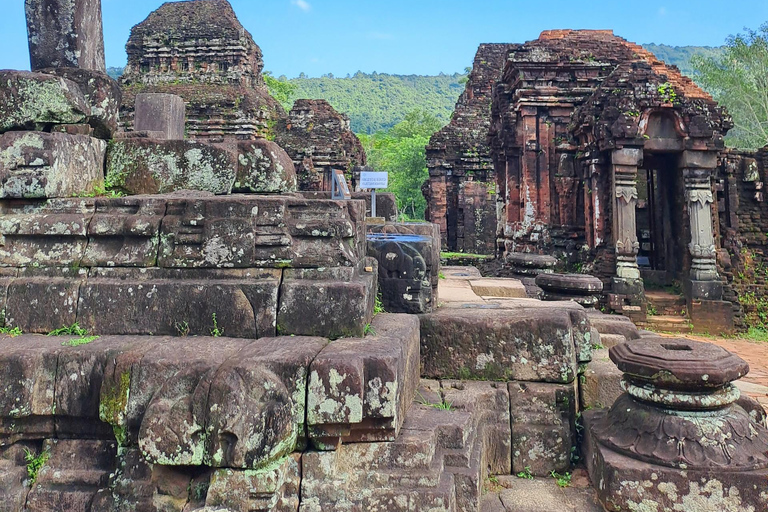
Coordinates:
416 36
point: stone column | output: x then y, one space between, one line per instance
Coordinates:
697 169
65 34
625 162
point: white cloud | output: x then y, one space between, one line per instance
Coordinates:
302 4
380 36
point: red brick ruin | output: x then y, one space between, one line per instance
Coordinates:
596 152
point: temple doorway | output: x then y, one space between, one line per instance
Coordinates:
660 218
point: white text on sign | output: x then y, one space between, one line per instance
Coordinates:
374 180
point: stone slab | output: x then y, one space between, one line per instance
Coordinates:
38 165
543 495
508 288
600 382
360 389
535 344
148 166
65 33
331 302
155 112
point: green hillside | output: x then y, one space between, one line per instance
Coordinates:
378 101
680 56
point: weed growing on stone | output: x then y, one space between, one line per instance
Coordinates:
76 342
216 332
526 473
182 328
563 480
369 329
378 306
72 330
35 463
441 275
199 491
443 405
11 331
597 346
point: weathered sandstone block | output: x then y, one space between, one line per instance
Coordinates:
36 165
157 112
101 93
65 33
543 426
146 166
529 344
34 101
361 388
44 165
274 489
333 302
264 168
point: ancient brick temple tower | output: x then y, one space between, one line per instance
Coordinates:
200 51
461 191
604 154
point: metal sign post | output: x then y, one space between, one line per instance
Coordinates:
374 180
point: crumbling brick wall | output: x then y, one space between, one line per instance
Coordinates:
743 233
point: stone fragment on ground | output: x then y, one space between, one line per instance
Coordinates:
507 288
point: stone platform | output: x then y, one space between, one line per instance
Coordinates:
124 419
145 265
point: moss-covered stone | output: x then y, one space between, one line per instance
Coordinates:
33 101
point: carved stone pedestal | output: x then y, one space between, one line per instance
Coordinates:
581 288
677 439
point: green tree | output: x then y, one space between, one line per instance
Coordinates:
401 151
280 89
739 81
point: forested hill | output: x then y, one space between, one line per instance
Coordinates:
378 101
680 56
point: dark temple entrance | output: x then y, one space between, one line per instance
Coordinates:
660 216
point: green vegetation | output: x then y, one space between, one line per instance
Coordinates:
442 405
11 331
72 330
76 342
463 255
182 328
757 334
526 473
216 332
35 463
738 80
378 101
281 89
563 480
401 152
378 306
369 330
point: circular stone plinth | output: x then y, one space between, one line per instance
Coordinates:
588 301
678 363
528 260
569 284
